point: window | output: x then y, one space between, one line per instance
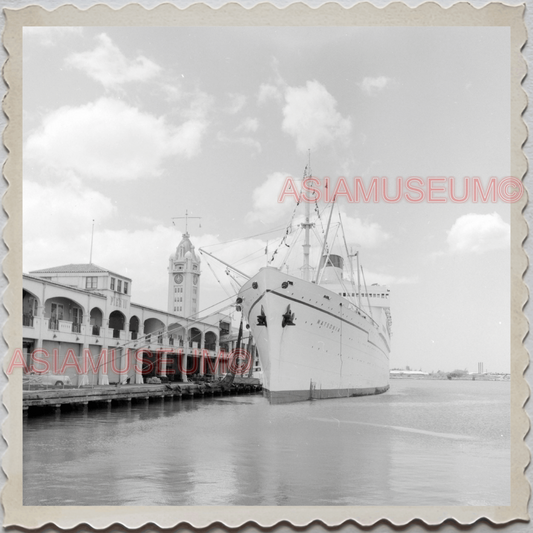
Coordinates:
57 311
119 285
125 287
91 282
112 284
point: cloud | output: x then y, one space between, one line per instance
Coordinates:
110 140
172 92
67 210
238 101
245 141
479 233
371 86
265 205
49 35
249 124
310 116
363 234
268 92
109 66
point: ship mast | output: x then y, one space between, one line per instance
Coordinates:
307 226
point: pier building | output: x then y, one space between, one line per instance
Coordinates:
79 311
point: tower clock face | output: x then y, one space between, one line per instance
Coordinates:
178 278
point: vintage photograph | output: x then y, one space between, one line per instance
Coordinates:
266 266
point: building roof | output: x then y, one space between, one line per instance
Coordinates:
184 247
74 268
63 286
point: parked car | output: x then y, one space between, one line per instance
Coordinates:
57 380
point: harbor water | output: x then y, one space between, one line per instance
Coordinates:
425 442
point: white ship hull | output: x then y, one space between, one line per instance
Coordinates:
333 349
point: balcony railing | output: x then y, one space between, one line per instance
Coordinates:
210 346
116 333
27 320
96 330
76 328
53 324
133 335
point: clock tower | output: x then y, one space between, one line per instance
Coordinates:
184 280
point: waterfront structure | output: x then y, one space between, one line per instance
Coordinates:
78 311
395 373
184 280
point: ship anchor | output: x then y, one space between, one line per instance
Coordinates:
288 318
262 319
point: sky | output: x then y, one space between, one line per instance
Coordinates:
131 127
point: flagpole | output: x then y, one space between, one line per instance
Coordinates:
92 239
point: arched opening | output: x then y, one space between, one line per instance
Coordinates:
96 316
154 325
30 305
210 341
195 338
176 335
134 327
116 323
195 342
63 314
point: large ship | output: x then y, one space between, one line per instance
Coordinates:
319 336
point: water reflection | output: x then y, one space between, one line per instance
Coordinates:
424 443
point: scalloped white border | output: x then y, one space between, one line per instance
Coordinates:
428 14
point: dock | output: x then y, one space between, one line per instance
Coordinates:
37 401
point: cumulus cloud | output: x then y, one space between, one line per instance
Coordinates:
108 139
265 205
372 86
109 66
67 210
268 92
479 233
362 233
311 117
49 35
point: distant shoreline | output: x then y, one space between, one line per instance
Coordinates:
468 377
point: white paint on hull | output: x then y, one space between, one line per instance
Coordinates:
333 346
